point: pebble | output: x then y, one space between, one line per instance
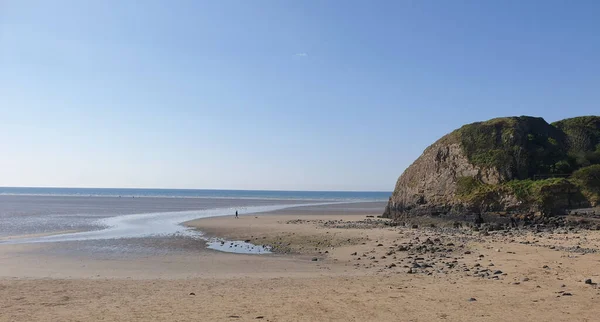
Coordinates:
588 281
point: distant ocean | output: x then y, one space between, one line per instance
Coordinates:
116 219
201 193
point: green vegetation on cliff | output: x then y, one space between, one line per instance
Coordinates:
583 139
588 180
545 165
521 165
527 147
547 196
519 147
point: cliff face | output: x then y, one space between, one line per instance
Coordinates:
430 183
495 166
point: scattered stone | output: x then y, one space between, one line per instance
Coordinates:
498 272
468 252
588 281
472 299
546 267
566 294
314 259
192 293
379 245
259 317
525 279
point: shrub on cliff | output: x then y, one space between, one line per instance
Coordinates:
583 139
588 180
519 147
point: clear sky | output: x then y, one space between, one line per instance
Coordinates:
297 95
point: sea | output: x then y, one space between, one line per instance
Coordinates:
123 219
199 193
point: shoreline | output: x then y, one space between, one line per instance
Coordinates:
365 270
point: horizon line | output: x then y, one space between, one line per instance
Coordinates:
130 188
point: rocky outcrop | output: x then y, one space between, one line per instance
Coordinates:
515 165
429 185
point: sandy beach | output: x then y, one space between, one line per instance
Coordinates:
326 267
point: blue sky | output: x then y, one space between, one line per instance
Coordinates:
297 95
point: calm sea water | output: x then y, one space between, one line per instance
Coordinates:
116 219
200 193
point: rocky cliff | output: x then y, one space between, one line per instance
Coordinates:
516 164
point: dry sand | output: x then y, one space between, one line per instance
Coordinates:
542 276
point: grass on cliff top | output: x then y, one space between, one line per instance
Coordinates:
583 132
523 147
518 147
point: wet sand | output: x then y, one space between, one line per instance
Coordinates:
22 214
329 267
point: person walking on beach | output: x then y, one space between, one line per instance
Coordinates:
236 214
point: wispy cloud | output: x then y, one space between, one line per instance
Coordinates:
301 55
